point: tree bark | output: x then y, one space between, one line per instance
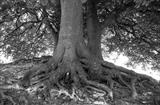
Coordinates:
76 65
93 30
70 28
71 51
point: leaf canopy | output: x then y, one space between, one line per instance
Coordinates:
29 27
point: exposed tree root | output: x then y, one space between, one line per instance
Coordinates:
86 71
3 96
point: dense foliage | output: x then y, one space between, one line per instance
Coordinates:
27 27
134 30
30 27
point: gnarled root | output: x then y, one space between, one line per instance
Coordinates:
86 70
8 98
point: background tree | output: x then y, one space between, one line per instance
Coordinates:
134 29
28 27
130 21
73 29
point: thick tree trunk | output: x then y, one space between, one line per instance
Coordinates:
70 29
70 36
71 51
76 65
93 30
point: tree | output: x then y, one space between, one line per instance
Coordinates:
134 30
77 63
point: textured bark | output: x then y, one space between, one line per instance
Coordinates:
75 65
78 71
11 92
93 30
70 29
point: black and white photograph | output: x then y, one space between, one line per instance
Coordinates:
79 52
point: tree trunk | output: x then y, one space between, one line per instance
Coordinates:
71 50
93 30
70 28
76 65
70 36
